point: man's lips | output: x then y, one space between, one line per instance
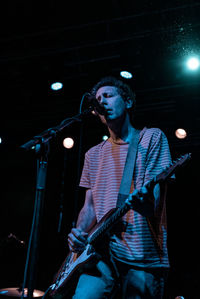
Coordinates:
108 110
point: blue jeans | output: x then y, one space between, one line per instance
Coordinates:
96 284
135 283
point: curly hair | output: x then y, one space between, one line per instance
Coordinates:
124 90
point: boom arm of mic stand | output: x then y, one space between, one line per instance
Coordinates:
50 133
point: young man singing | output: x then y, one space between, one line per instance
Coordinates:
136 255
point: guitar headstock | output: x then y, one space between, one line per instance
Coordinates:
169 171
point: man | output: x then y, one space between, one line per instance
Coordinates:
136 256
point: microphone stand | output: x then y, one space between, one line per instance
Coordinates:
40 144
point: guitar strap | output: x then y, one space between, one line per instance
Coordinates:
126 181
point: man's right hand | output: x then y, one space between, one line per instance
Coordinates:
77 240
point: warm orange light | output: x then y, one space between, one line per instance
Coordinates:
68 142
181 133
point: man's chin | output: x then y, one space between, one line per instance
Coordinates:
108 119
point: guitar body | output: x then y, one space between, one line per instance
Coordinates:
69 272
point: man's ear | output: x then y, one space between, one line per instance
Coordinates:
128 103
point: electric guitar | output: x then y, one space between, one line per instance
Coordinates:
75 262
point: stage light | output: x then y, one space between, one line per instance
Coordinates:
68 142
126 74
56 86
105 137
181 133
193 63
0 140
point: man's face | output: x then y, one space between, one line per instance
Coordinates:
111 100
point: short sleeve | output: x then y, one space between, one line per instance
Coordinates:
85 176
159 156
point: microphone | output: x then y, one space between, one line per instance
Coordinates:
95 104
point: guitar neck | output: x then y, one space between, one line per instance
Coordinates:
115 216
112 219
109 223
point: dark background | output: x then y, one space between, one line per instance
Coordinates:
77 43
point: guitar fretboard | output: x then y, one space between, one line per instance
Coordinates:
121 211
109 223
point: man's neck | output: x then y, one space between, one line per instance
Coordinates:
121 130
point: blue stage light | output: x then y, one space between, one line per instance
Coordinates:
126 74
105 137
56 86
193 63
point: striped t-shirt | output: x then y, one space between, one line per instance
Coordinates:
143 240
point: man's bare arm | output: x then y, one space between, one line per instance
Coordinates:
86 219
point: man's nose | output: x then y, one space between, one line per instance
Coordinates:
103 101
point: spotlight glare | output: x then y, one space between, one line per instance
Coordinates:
193 63
68 142
105 137
126 74
56 86
180 133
